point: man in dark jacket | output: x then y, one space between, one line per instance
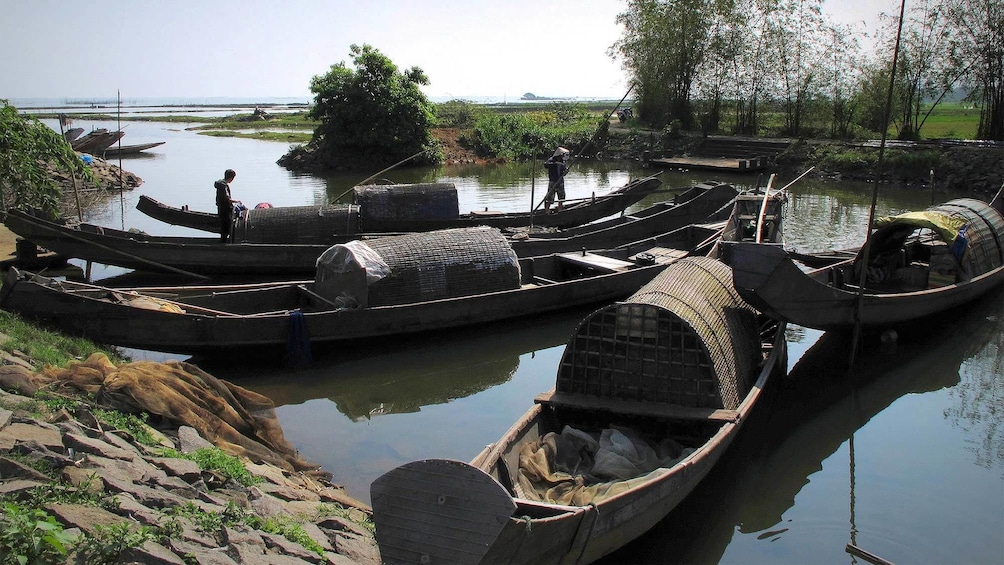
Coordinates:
224 204
556 170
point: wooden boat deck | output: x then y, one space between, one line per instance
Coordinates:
727 164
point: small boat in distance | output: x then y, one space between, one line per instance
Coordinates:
131 149
919 264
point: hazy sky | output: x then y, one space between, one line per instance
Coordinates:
247 48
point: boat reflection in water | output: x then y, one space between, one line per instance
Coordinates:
745 509
362 411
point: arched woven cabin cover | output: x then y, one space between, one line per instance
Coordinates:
381 205
418 267
685 339
982 249
297 224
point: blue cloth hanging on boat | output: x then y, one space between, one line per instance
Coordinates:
298 341
961 243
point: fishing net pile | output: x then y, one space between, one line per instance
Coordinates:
238 421
576 467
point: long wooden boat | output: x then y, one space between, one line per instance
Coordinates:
132 149
920 263
208 256
95 142
661 383
208 319
574 213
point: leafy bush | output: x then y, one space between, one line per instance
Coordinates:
31 535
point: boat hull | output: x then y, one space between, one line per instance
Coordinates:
770 281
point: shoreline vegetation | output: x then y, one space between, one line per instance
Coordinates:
957 164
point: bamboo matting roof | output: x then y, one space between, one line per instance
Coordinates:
684 339
297 224
425 266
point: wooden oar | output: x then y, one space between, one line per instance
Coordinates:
763 208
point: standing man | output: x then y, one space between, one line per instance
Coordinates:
556 170
224 204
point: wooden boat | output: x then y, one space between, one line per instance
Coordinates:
207 319
919 264
406 216
95 142
208 256
680 364
72 133
131 149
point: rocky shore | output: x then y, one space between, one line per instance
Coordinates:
127 494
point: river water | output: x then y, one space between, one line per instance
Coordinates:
901 454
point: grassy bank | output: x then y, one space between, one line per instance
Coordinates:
38 346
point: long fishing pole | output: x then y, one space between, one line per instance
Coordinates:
375 175
606 120
866 250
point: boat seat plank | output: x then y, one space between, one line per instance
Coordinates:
597 262
666 254
634 408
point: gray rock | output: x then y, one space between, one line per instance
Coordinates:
361 549
185 469
5 416
15 487
18 432
289 547
189 440
318 536
136 470
10 468
339 524
87 479
87 518
98 447
202 555
288 493
130 508
151 553
143 494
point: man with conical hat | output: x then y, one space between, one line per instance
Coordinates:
557 168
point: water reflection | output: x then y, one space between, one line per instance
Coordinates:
820 409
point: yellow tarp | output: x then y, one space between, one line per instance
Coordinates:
947 226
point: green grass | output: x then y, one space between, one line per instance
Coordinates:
951 121
46 347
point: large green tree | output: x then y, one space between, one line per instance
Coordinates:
28 151
663 45
371 114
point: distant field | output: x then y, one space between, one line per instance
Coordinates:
953 121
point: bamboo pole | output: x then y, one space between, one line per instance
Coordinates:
64 233
866 249
371 177
73 176
118 125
